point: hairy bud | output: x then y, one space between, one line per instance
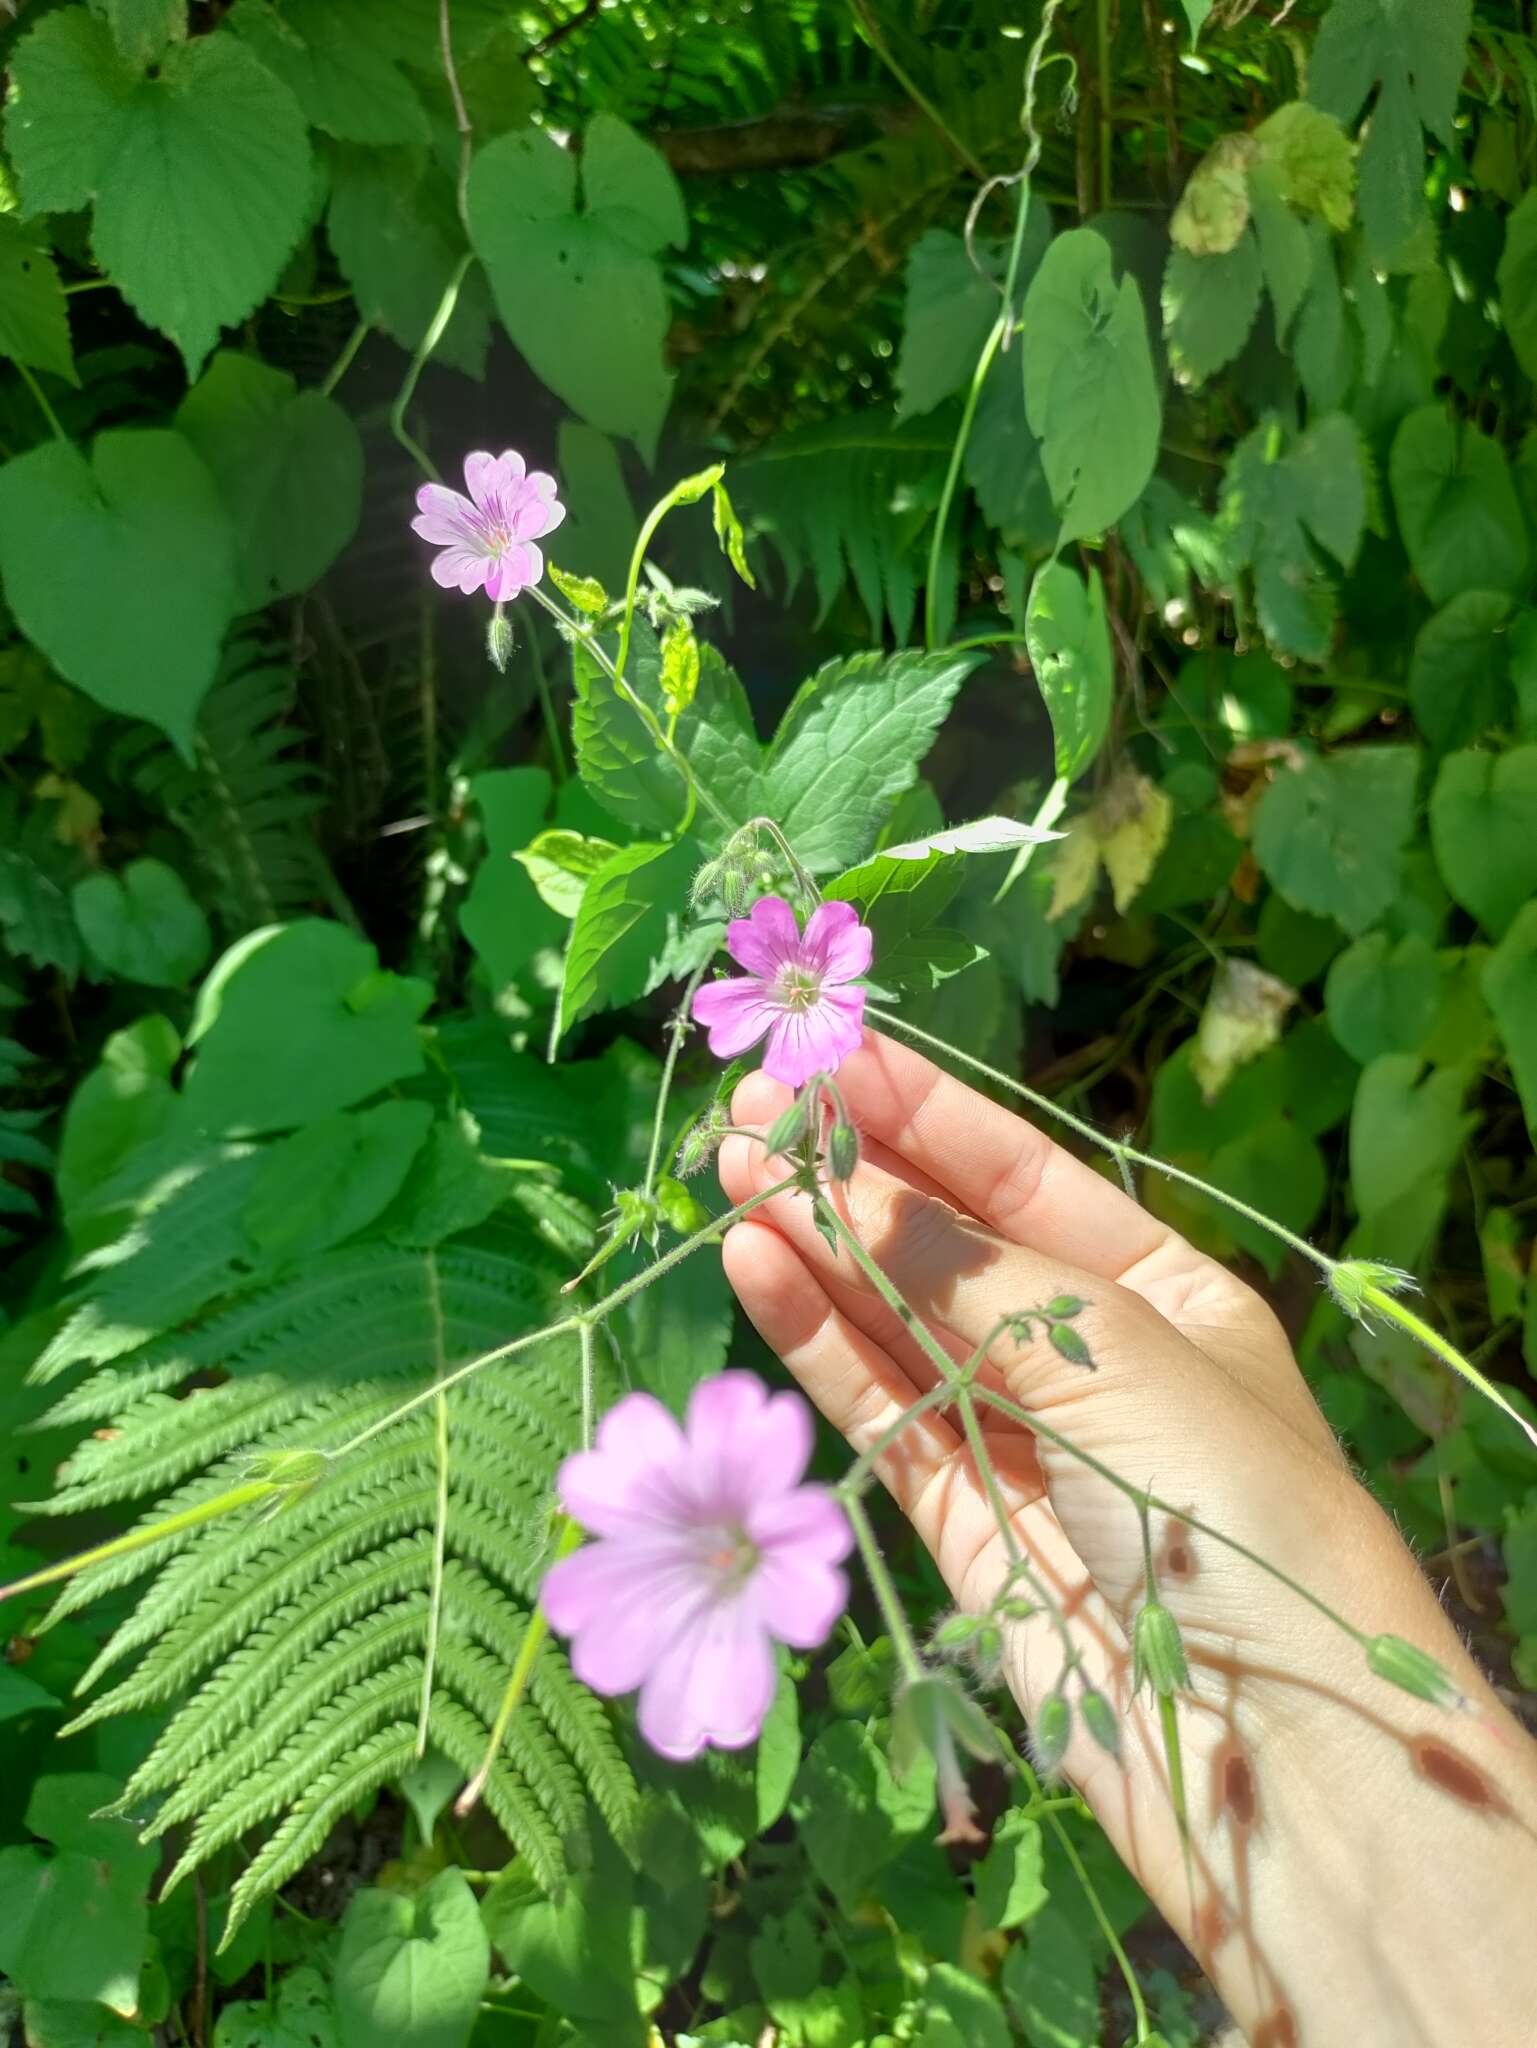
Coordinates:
789 1126
1158 1651
1412 1670
700 1142
499 640
1051 1733
1355 1282
842 1151
1099 1719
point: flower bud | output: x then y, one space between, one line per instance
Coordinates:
1157 1650
706 883
1051 1733
499 640
1066 1341
842 1151
1064 1305
699 1143
1353 1282
683 1211
1099 1719
788 1127
1412 1670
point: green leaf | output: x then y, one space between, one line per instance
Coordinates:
1483 827
600 526
96 1880
20 1695
332 1178
1406 1129
1052 1984
1413 53
294 1022
1213 209
1196 12
121 569
1510 983
1329 834
301 2015
960 2012
289 466
117 1111
574 1951
900 900
1322 346
1457 506
141 29
1068 635
1311 160
1276 503
63 2023
335 66
200 171
580 291
1004 466
1010 1879
1517 280
1286 252
951 306
34 317
142 924
850 744
1276 1168
560 864
629 916
1209 306
397 240
502 916
854 1816
1090 392
1459 671
1382 997
412 1970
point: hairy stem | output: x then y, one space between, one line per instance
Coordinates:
882 1586
429 341
676 1033
517 1682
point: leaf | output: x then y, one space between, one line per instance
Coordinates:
1213 209
1276 503
502 916
600 527
1322 346
1510 983
1209 305
289 467
1068 635
121 569
574 1951
580 291
1196 12
65 2023
560 864
951 306
397 240
1517 279
200 172
1457 506
294 1022
1413 52
142 924
1010 1881
116 1112
629 916
331 1179
1329 834
34 317
854 1816
1090 393
412 1970
1459 671
900 898
850 744
335 67
96 1879
960 2012
300 2016
1381 997
1483 827
1311 160
1131 822
1243 1017
982 835
1286 252
1406 1129
1052 1983
141 29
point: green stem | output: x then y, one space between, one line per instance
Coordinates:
38 393
885 1591
558 767
139 1539
517 1683
419 361
439 1564
1377 1301
344 361
1106 190
914 91
584 1337
1102 1919
990 348
677 1031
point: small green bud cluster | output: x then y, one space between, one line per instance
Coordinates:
1056 1319
740 873
1358 1285
701 1141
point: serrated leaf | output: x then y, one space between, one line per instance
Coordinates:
1286 254
1457 506
1311 160
1323 346
629 915
982 835
142 924
1459 670
200 174
1213 209
1483 827
1276 502
1209 306
121 569
850 744
289 466
1329 834
1068 634
560 864
1090 393
34 317
336 68
397 240
579 289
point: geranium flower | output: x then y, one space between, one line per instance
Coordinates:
796 990
488 538
709 1551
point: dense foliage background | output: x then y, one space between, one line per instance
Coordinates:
277 1129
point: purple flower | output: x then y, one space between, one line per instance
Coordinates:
709 1551
797 989
488 538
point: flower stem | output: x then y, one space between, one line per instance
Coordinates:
419 361
40 396
990 348
137 1539
882 1586
677 1032
344 361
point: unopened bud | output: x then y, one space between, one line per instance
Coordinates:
499 640
706 883
1412 1670
1355 1282
736 890
957 1631
1066 1341
842 1151
1051 1733
1158 1651
684 1212
787 1128
1099 1719
699 1143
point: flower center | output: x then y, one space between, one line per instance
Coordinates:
731 1553
798 988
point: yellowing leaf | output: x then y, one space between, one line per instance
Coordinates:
1075 869
1133 818
1242 1019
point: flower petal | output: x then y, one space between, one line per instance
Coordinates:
744 1443
621 1606
632 1479
836 944
735 1013
535 517
799 1600
814 1041
518 565
807 1525
460 568
488 476
444 531
713 1683
767 939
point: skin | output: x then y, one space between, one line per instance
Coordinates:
1363 1862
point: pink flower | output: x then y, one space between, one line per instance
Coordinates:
709 1551
796 989
488 538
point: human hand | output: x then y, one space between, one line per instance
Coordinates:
1317 1795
